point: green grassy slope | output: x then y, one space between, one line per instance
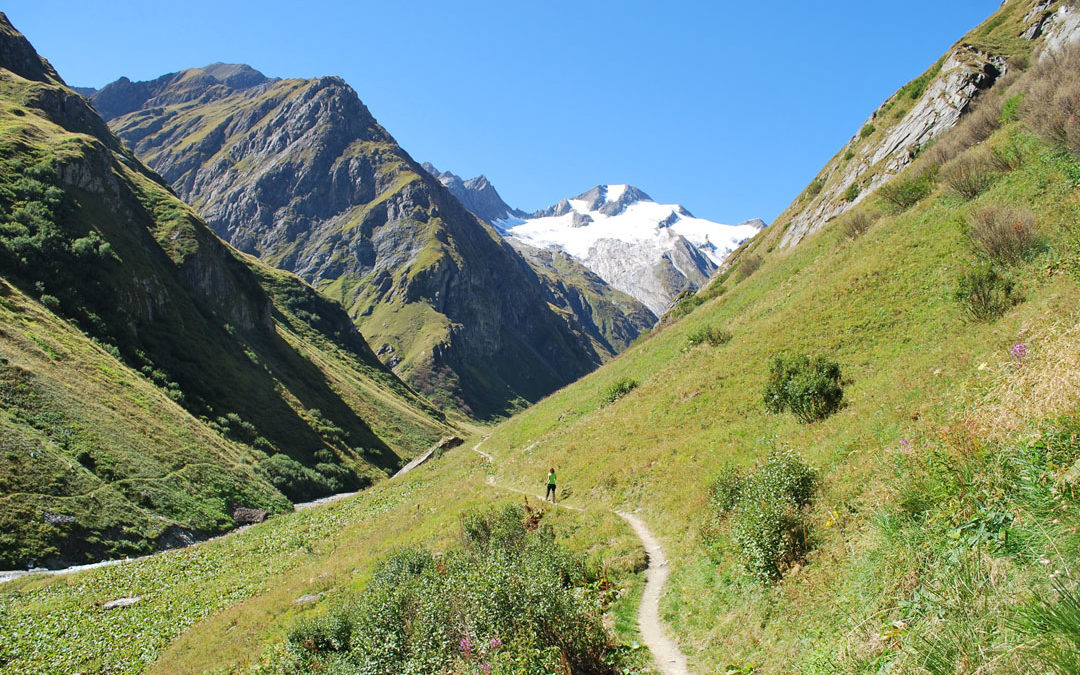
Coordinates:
946 501
149 369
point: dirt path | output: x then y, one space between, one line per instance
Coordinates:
666 655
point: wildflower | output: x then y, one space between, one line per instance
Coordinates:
466 646
905 446
486 668
496 643
1019 351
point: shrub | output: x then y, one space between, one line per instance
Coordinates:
855 223
747 266
1052 104
969 174
617 389
809 388
509 599
293 479
905 193
714 335
1006 235
984 293
866 131
766 510
815 187
852 192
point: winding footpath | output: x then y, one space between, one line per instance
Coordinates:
667 657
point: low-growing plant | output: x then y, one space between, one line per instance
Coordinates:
765 506
1052 104
852 192
617 389
508 599
970 174
811 389
984 293
904 193
747 266
867 131
1005 234
714 335
814 188
854 224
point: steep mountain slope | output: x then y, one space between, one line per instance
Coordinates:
300 173
648 250
941 532
909 121
152 379
611 318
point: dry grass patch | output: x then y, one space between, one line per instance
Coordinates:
1042 383
1005 234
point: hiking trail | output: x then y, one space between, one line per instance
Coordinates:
667 657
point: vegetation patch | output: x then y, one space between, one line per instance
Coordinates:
617 389
765 507
808 388
985 293
903 193
713 335
1004 234
507 599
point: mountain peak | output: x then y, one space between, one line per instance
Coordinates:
235 75
612 199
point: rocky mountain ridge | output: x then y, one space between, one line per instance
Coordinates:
299 173
914 117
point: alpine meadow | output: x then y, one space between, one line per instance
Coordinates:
277 398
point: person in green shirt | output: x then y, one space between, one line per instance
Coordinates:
551 486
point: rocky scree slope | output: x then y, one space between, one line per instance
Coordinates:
909 121
155 385
300 174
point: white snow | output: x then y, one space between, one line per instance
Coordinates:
615 192
638 223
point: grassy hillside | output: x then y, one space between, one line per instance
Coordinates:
154 380
942 530
935 526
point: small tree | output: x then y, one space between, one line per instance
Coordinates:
808 388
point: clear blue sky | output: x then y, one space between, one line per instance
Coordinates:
729 108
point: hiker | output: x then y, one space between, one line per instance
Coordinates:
551 486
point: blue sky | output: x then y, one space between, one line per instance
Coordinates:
728 108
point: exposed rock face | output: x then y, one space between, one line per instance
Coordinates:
964 72
299 173
478 195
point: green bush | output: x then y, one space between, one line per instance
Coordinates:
984 293
815 187
617 389
852 192
809 388
714 335
293 479
507 600
866 131
765 506
903 194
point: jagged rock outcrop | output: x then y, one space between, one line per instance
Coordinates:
299 173
883 148
478 195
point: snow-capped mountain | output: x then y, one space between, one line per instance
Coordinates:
651 251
